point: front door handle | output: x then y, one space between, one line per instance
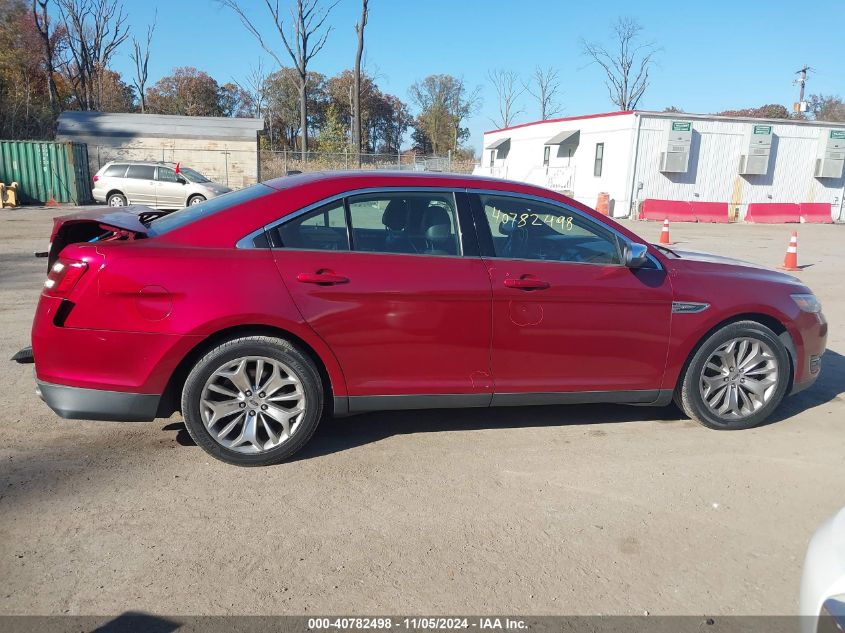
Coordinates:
324 278
527 283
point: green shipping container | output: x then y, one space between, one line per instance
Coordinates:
45 170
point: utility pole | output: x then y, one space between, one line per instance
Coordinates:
801 106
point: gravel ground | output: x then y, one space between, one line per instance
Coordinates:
547 510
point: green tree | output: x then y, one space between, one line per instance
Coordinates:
827 108
444 103
770 111
187 91
332 136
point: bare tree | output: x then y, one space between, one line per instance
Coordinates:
254 85
307 38
544 85
95 29
140 55
508 90
626 65
356 89
42 23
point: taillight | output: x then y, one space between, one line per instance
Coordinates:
95 178
63 276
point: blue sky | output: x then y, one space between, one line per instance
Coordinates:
715 55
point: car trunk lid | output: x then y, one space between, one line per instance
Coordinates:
97 225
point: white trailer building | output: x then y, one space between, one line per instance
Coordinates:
636 156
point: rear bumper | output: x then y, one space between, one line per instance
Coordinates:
77 403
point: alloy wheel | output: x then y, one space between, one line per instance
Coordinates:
252 404
739 378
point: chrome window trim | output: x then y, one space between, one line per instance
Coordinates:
246 242
528 196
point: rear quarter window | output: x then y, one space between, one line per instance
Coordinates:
115 171
189 215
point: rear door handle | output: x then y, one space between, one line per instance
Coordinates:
323 278
527 283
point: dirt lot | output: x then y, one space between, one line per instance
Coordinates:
554 510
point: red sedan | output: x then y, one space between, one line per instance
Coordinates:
258 312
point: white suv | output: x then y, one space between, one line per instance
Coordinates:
156 185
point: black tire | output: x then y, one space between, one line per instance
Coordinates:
688 395
116 195
264 346
196 199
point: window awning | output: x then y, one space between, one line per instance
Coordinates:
567 136
498 143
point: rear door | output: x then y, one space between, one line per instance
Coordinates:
386 281
568 317
170 191
139 185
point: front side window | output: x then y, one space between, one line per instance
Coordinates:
410 223
141 172
528 229
166 175
599 159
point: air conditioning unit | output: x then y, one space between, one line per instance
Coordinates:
831 155
758 146
675 158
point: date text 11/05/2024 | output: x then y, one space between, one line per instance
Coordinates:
417 623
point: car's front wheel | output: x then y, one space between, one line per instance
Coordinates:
197 199
736 378
253 401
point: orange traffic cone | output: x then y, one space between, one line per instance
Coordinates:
790 260
664 233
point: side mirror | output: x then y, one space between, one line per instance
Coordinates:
181 180
636 255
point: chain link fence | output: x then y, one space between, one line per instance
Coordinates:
279 163
238 167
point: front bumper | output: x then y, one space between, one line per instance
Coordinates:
77 403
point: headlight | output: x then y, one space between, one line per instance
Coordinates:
808 303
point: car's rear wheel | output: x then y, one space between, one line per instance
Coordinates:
253 401
736 378
195 200
116 200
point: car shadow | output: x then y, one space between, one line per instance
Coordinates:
338 434
830 385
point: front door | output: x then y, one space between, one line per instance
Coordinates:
382 278
567 315
170 191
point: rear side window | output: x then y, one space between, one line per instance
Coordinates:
115 171
385 222
411 223
143 172
321 230
191 214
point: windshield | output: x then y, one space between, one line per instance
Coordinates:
192 174
183 217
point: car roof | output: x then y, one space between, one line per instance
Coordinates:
401 178
151 163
